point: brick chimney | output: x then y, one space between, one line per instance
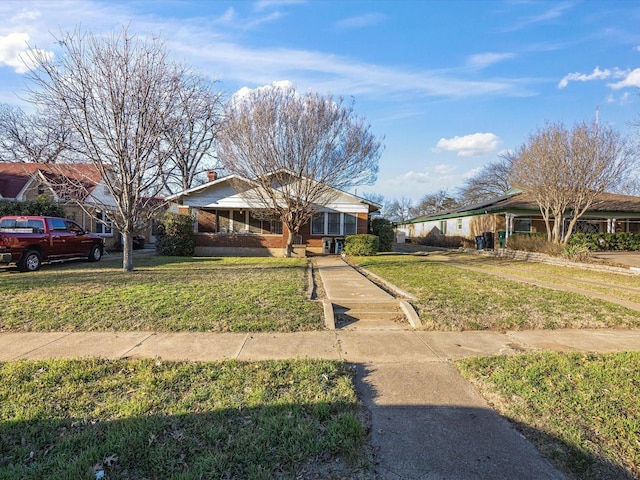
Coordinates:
212 175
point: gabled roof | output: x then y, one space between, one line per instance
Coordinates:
518 201
14 177
230 178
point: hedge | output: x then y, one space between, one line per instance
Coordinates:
41 206
361 245
606 241
175 235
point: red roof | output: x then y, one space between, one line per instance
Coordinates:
14 177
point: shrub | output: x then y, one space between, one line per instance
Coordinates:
384 231
606 241
42 205
533 242
361 245
175 235
577 252
444 241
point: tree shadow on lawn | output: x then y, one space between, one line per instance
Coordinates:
284 441
441 441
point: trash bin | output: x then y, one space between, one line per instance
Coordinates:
488 240
502 239
480 242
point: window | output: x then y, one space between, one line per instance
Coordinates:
522 225
275 227
58 224
443 227
317 224
459 224
334 223
104 226
350 224
223 220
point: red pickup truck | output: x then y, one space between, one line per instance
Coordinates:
28 241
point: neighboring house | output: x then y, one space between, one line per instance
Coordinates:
68 184
517 212
228 222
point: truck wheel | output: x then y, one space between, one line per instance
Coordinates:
95 254
30 261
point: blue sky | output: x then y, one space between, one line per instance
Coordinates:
449 84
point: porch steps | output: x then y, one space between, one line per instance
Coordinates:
369 315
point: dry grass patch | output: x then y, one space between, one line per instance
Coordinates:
454 298
162 294
581 410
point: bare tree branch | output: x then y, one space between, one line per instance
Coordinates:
120 95
297 150
566 170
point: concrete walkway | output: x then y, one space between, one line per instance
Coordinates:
427 422
355 303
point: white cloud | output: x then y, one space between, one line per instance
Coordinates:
15 54
414 184
631 79
597 74
262 4
483 60
366 20
553 13
470 145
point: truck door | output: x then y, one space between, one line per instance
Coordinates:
64 242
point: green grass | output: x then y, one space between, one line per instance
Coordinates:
454 298
147 419
582 410
162 294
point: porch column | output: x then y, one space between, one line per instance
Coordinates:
508 220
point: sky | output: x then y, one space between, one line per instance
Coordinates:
448 85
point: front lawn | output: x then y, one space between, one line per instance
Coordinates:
162 294
581 410
82 419
454 298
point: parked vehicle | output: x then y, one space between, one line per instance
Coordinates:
28 241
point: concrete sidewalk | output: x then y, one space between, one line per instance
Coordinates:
402 347
427 422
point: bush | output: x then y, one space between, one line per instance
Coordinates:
533 242
443 241
361 245
384 231
606 241
175 235
577 252
42 205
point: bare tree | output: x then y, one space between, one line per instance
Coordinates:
193 127
566 170
119 94
398 210
297 150
39 137
433 203
490 182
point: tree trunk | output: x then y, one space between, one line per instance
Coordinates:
288 250
127 252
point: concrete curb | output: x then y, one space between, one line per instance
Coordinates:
329 318
411 314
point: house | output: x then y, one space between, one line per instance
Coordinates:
518 212
228 220
70 185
